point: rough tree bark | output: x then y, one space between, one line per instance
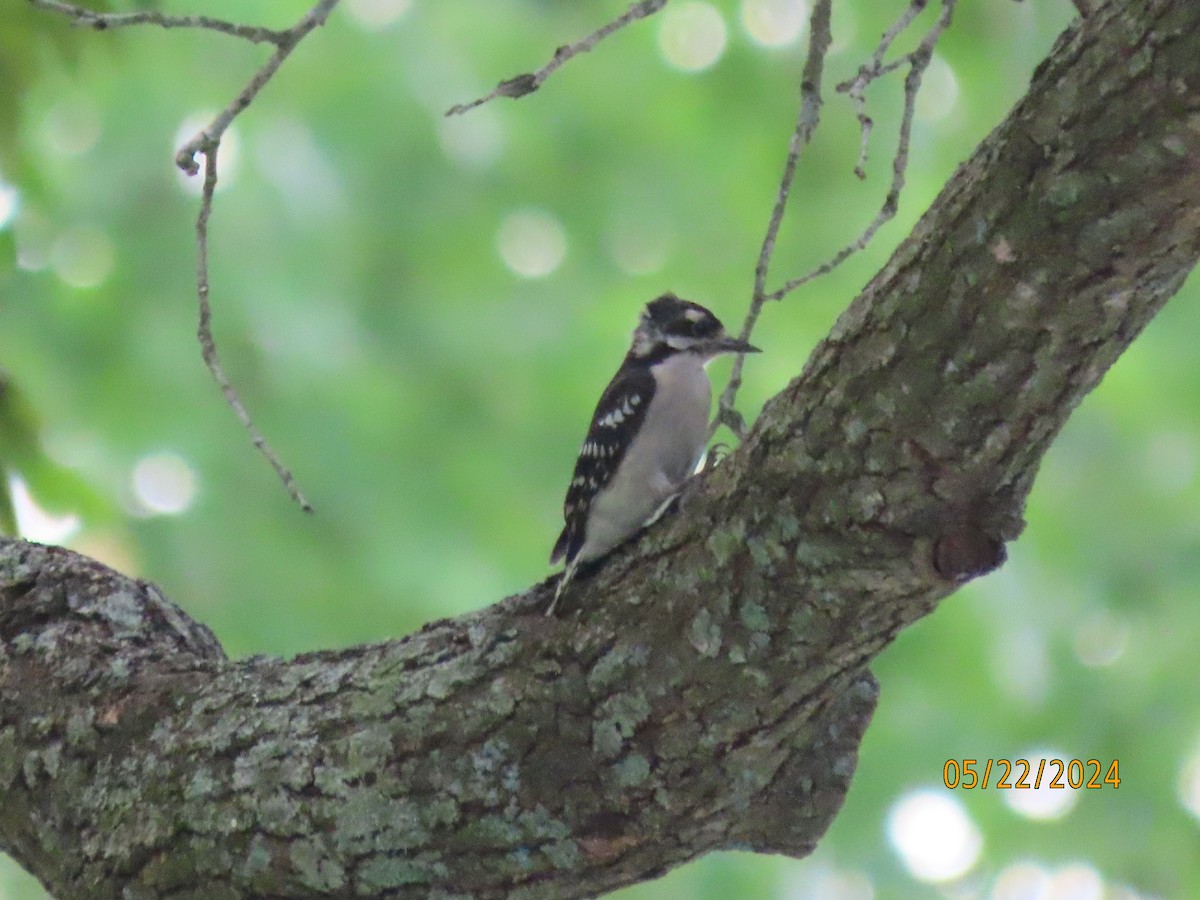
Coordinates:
707 688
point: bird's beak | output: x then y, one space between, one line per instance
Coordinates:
729 344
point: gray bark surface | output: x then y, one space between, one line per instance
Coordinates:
707 688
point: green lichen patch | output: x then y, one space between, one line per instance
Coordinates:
610 667
754 616
314 867
705 634
724 543
368 821
620 714
383 872
9 766
632 770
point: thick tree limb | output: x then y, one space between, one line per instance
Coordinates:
706 688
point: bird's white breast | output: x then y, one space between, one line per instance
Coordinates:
660 458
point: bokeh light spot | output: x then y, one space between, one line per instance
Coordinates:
774 23
35 523
164 483
1100 639
531 242
34 238
939 91
691 36
934 836
824 882
375 15
82 257
1170 460
639 246
227 154
287 154
473 141
71 127
1020 881
10 202
1044 802
1030 881
1021 662
1189 783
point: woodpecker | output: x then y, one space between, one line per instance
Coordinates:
647 434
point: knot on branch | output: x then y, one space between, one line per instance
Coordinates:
62 605
967 552
797 806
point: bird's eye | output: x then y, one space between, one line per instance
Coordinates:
693 328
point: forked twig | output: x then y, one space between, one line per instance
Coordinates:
872 71
527 83
819 39
207 142
918 61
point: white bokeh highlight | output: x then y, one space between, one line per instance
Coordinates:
691 36
638 246
228 154
473 142
1100 639
82 257
1025 880
825 882
10 203
71 127
35 523
933 835
531 242
1170 461
1021 663
376 15
939 91
775 23
1188 787
285 151
163 484
1042 803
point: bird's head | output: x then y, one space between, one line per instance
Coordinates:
670 325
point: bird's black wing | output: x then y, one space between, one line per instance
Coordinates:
618 416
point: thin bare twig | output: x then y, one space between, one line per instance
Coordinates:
871 71
207 142
918 61
819 39
527 83
208 346
90 18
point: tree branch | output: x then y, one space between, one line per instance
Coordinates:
206 142
528 82
90 18
819 39
706 687
917 60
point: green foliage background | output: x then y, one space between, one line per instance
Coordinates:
430 401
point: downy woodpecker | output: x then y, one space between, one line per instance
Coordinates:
647 434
